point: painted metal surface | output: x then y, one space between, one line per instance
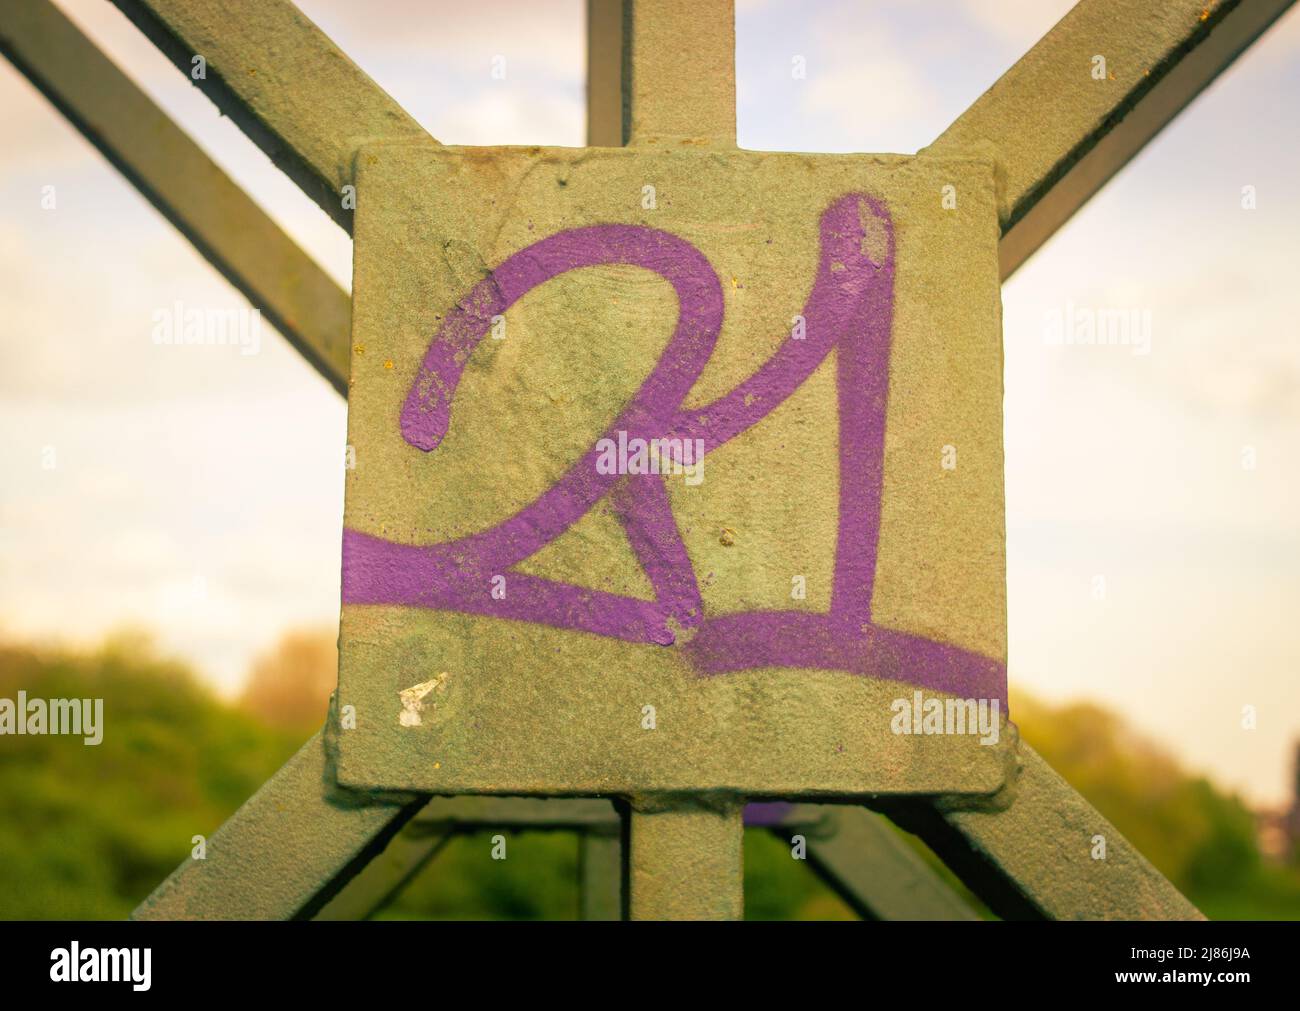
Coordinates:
286 852
1082 102
487 523
283 82
311 110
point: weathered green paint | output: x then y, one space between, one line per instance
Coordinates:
283 82
605 73
532 403
686 863
863 859
600 876
381 880
286 852
679 73
235 235
1037 857
470 813
1060 135
310 109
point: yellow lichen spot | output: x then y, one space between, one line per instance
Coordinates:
1205 14
728 537
388 364
735 283
359 349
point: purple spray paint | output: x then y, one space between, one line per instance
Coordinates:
850 308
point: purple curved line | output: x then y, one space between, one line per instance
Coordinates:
850 308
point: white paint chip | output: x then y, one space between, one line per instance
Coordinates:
413 699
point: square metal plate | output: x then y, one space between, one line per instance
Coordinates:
526 609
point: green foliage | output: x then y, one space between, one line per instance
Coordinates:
1203 840
89 831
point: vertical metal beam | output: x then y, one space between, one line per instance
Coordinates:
231 232
686 863
666 68
600 875
605 73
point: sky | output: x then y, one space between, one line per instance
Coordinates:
198 491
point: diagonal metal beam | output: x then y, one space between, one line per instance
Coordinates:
290 290
381 880
283 855
1049 854
863 859
597 822
1061 134
282 81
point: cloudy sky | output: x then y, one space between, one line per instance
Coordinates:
198 491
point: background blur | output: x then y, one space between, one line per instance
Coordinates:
180 558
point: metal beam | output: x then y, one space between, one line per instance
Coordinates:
598 822
605 73
686 863
282 81
661 72
600 876
232 233
381 880
1061 133
284 854
863 859
1049 854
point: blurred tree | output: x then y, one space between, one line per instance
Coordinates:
90 830
290 686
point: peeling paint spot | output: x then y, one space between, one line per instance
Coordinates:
412 699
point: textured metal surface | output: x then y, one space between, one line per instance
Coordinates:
285 853
679 72
1039 856
294 294
384 877
600 876
1060 134
863 859
605 73
686 863
769 235
282 82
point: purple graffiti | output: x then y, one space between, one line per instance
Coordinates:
850 308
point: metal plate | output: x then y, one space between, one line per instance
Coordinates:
516 619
